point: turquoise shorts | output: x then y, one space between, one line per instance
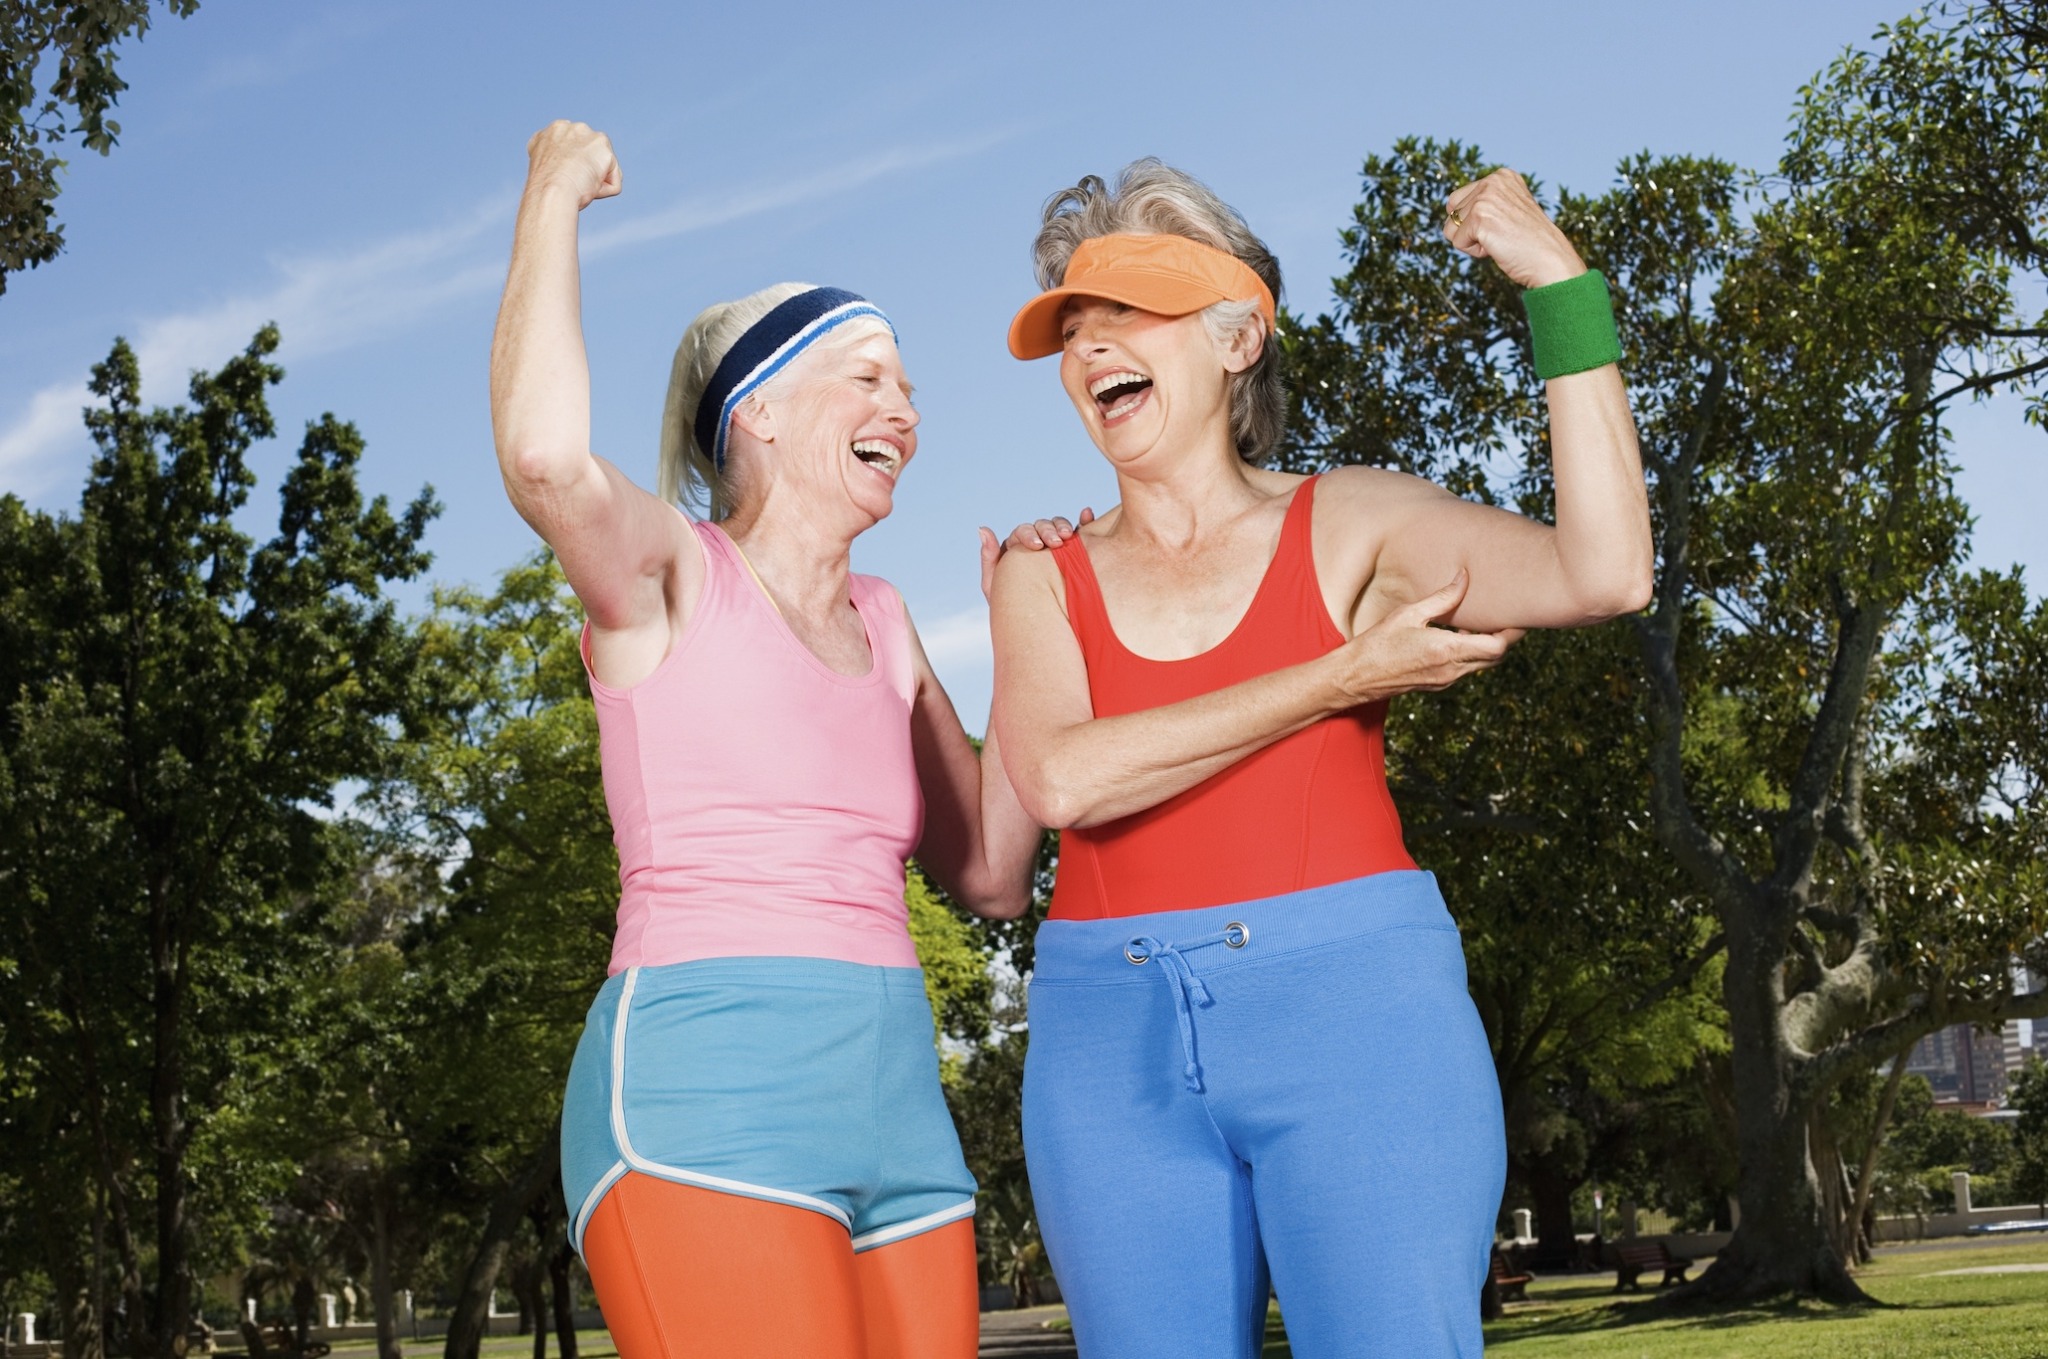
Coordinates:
803 1081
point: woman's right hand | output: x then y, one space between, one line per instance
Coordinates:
576 157
1402 653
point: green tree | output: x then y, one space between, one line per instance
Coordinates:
180 704
57 79
500 798
1791 374
2029 1095
1588 959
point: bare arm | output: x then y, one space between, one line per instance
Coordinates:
979 843
1072 768
623 551
1597 561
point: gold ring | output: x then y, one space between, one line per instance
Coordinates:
1456 219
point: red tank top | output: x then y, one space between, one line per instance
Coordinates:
1306 811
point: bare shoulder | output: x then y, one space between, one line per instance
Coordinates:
1363 496
1024 578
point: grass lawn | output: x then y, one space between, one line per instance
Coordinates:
1925 1313
589 1345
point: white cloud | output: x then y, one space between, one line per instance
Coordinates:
331 302
959 641
957 644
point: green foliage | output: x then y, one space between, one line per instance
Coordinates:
179 703
56 64
1831 733
2029 1095
955 957
1947 1140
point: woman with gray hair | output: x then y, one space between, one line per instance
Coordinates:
1253 1058
757 1156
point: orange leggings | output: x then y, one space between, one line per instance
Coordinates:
683 1272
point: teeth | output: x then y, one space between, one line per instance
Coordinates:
1109 380
877 453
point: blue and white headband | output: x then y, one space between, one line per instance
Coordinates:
768 346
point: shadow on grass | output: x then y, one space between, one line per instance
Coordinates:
1537 1319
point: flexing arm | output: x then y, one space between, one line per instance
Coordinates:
1597 561
621 549
1072 768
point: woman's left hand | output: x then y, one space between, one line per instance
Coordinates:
1497 218
1040 533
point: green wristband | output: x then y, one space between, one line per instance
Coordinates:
1571 326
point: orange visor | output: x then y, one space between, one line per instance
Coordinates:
1170 275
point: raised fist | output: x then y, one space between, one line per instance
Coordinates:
1497 218
575 156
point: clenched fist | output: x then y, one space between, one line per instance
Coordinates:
1497 218
575 157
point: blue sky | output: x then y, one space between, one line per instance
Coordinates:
350 171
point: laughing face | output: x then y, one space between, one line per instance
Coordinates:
840 425
1146 385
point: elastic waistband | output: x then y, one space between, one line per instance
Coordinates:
1093 951
805 974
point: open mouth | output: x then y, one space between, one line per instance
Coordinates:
879 454
1119 394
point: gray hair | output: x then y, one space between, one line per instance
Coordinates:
685 472
1151 197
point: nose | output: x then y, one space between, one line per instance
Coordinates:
901 413
1088 338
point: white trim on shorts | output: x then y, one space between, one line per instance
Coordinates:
882 1236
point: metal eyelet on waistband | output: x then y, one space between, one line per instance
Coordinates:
1235 935
1133 958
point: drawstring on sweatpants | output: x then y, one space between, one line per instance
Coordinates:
1188 990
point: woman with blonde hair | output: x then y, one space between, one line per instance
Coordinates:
1253 1058
756 1153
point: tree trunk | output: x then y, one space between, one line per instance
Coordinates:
472 1309
1862 1215
167 1122
1557 1243
304 1300
1784 1242
536 1306
383 1290
560 1263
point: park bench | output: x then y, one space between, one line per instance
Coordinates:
1513 1287
1634 1258
278 1342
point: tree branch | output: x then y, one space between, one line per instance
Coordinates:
1873 1044
1678 824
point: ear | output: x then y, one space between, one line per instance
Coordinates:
1246 346
757 418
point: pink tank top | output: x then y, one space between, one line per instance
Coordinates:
762 803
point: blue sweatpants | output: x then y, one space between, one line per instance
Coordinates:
1295 1090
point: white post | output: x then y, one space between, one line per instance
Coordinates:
26 1322
494 1305
249 1308
1961 1181
1523 1225
328 1316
